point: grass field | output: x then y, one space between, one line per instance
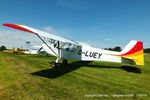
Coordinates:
30 77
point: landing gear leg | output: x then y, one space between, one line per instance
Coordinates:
54 64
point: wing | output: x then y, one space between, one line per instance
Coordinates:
40 33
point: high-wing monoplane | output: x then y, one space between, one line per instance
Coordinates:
69 49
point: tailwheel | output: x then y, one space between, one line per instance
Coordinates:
65 61
53 64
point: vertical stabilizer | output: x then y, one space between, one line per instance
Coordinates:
134 51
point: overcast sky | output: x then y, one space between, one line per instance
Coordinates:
101 23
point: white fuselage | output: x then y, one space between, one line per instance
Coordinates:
84 53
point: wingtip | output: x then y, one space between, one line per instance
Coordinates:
9 24
20 27
6 24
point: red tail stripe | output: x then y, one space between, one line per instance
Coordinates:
136 48
18 27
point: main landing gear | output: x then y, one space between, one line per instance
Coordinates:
54 64
65 61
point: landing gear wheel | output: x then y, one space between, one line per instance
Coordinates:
65 61
53 64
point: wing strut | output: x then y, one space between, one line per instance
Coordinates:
39 49
59 57
59 48
49 46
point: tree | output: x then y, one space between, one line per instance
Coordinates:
2 48
147 50
117 48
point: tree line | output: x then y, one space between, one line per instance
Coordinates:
147 50
117 48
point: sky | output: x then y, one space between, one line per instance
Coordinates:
100 23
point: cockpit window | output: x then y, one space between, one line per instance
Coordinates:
69 47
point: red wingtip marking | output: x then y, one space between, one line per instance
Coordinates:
18 27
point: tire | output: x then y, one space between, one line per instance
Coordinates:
53 64
65 61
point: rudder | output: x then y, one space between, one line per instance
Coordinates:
134 51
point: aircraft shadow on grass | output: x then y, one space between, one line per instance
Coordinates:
64 69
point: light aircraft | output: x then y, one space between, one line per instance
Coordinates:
16 51
34 49
69 49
